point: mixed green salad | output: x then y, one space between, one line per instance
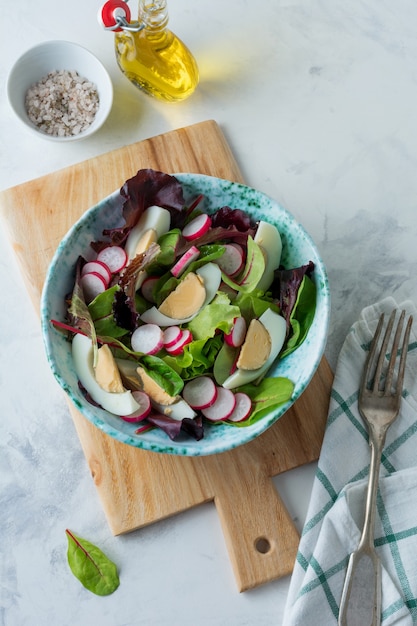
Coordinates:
176 317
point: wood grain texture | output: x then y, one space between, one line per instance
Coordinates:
137 487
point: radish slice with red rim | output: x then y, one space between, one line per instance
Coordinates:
147 288
222 407
200 393
147 339
184 261
242 408
171 335
114 257
99 268
236 336
197 227
144 409
178 347
232 259
93 284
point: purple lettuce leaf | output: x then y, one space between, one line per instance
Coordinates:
285 288
174 428
226 217
124 308
78 313
148 187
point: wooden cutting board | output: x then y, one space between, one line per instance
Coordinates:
137 487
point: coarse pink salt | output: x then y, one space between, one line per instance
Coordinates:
62 104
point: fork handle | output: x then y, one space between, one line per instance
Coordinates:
361 598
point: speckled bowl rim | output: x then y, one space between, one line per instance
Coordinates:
305 360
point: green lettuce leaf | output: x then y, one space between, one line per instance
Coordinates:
253 304
168 243
163 374
208 253
269 394
102 314
197 358
218 315
164 286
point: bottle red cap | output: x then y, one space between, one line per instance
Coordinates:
109 13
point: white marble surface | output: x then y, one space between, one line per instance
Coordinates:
318 101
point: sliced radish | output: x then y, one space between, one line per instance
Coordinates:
200 393
242 408
184 261
93 284
171 335
147 287
239 248
114 257
197 227
147 339
232 260
178 347
236 336
222 407
99 268
144 409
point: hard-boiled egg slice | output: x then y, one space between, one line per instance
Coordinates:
118 403
186 299
154 222
178 410
211 276
276 327
269 240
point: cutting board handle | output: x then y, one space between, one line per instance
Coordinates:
260 535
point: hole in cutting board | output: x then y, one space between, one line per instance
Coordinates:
262 545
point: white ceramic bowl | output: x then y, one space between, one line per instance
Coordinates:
46 57
298 249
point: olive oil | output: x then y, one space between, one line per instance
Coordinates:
153 58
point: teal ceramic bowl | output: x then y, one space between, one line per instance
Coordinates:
300 366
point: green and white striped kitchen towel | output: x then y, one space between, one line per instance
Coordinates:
336 508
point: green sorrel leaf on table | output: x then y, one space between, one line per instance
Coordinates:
91 566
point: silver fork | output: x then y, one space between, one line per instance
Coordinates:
379 405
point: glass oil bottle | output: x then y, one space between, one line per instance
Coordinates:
152 57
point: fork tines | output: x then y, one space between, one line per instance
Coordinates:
376 377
